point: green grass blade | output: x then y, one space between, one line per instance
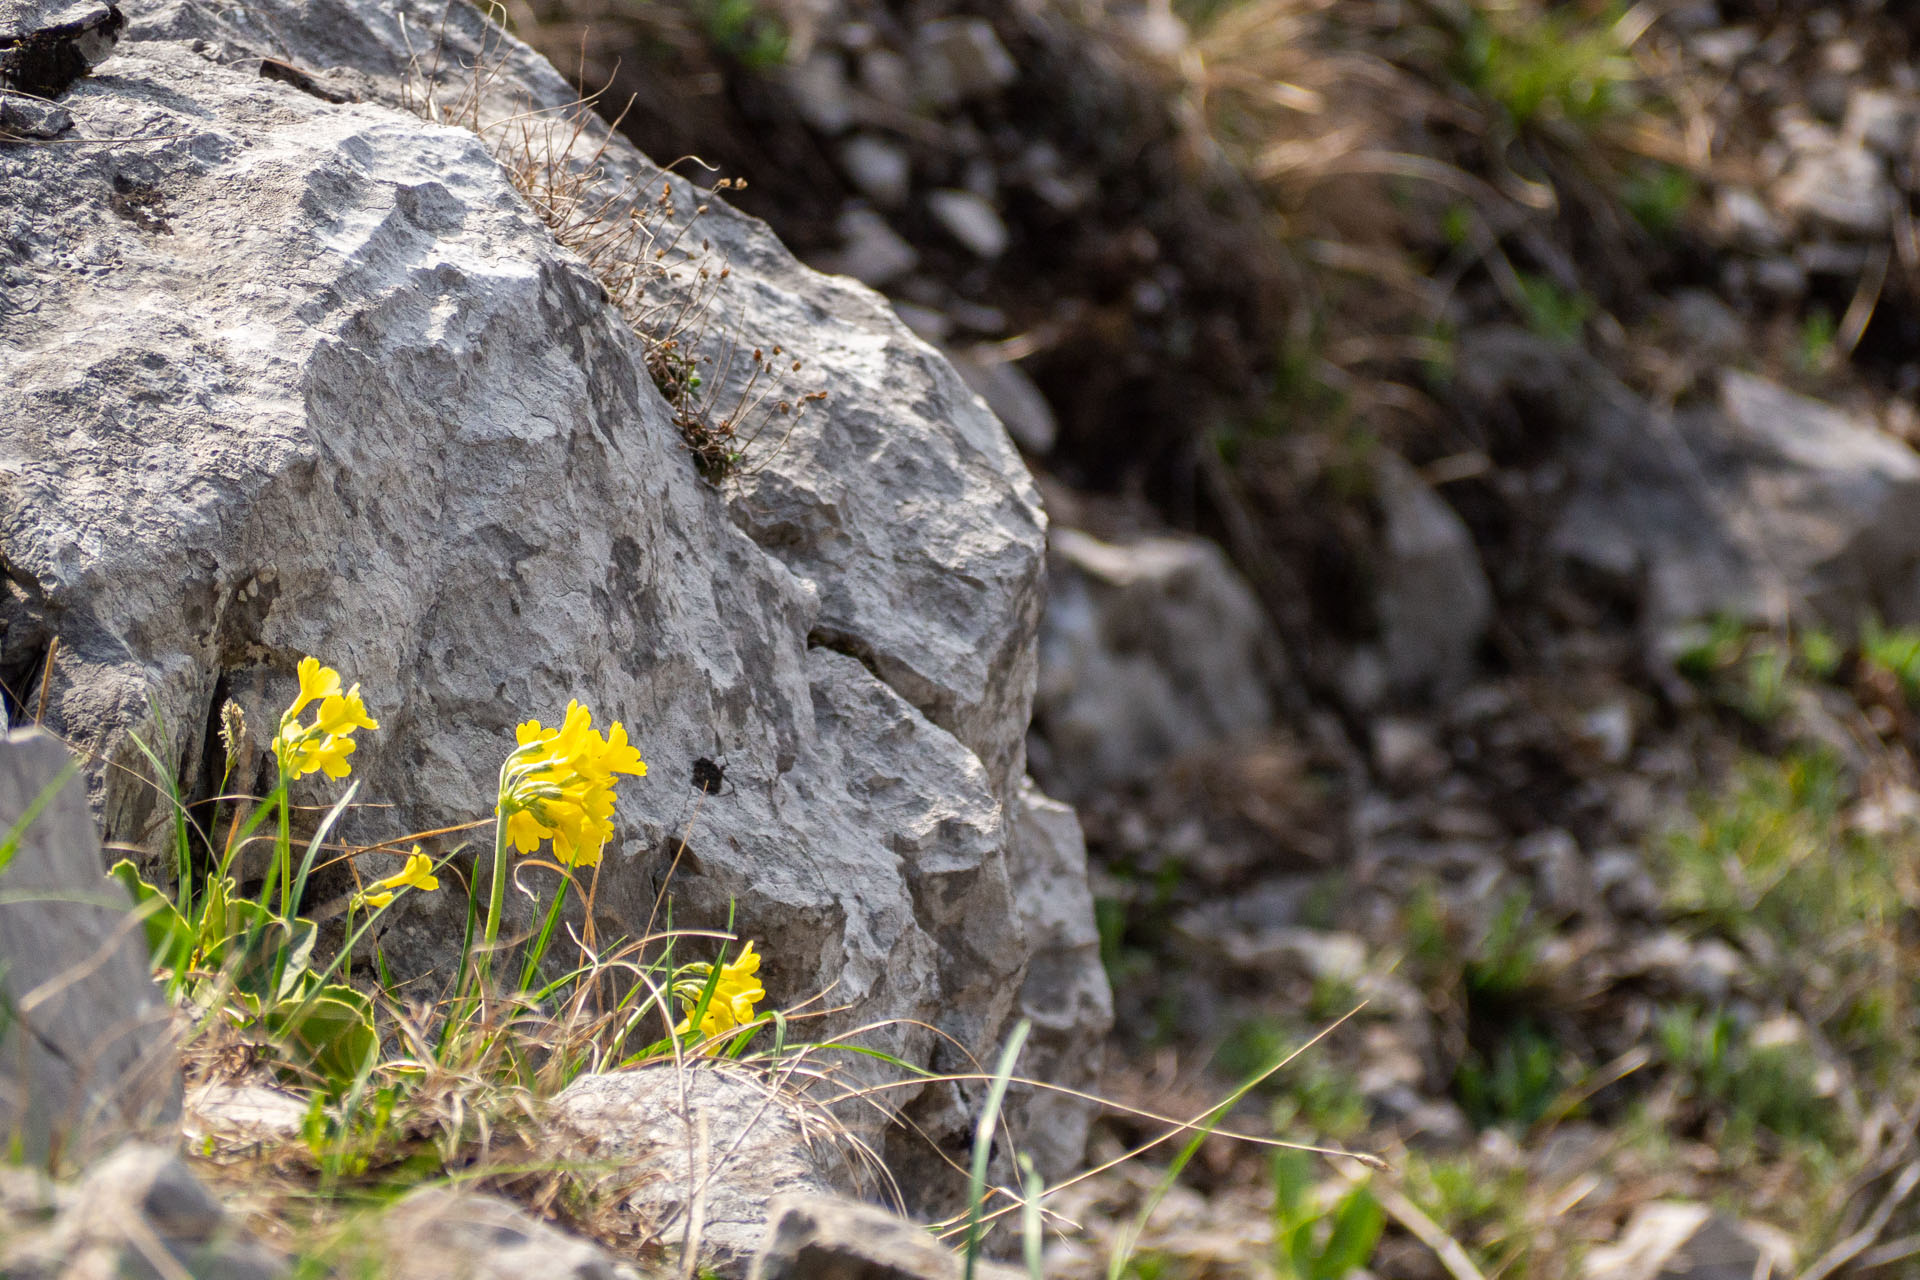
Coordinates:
983 1140
10 845
170 786
1032 1238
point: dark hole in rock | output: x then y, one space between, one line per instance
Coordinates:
140 204
49 46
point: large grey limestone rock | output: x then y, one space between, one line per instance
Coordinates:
86 1043
1756 504
310 378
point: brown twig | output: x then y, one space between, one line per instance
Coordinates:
46 679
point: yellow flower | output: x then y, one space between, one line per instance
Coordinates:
325 744
417 874
316 681
733 996
558 785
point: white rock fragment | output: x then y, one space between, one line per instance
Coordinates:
881 170
970 220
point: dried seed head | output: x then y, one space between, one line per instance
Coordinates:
233 730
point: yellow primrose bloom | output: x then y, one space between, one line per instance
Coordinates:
325 744
342 714
417 874
734 995
559 783
316 681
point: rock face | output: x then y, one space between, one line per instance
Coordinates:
1065 994
313 379
1759 501
86 1044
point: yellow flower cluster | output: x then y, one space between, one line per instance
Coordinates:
417 874
558 785
733 996
326 743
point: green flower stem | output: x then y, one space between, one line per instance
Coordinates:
496 887
283 850
280 863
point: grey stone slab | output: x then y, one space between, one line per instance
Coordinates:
86 1046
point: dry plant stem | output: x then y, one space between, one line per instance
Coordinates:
46 679
1197 1123
1863 1239
674 866
699 1155
632 243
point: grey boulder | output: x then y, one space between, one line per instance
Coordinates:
1684 1240
441 1234
833 1238
1434 601
139 1214
1758 503
87 1053
1150 650
691 1156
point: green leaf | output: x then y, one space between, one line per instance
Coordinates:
1356 1230
250 953
983 1140
1296 1258
330 1030
1292 1188
299 956
169 938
